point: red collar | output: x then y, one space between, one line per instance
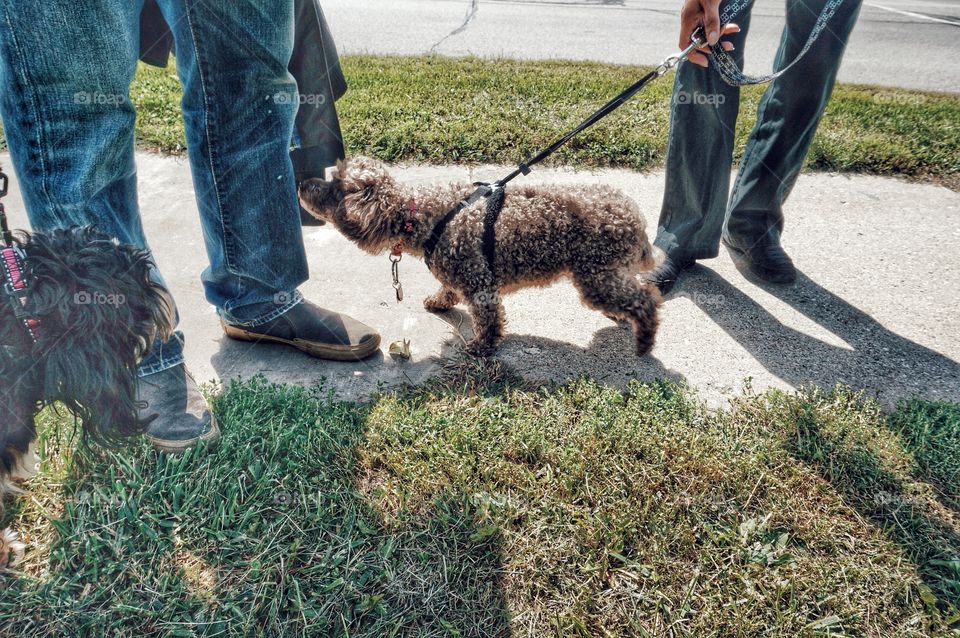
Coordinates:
408 227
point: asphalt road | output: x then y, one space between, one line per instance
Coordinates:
904 43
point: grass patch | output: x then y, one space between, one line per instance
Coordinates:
436 109
479 507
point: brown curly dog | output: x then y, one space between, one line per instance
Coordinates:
593 234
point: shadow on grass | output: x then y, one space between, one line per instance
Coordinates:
601 514
915 506
880 483
274 532
931 431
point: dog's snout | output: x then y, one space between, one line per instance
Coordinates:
313 189
316 195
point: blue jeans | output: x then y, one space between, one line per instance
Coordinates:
697 203
65 73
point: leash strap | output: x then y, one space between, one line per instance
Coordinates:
494 206
4 229
608 108
727 68
483 190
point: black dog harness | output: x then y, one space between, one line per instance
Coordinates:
13 272
495 197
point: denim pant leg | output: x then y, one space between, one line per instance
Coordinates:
232 58
787 118
65 72
703 120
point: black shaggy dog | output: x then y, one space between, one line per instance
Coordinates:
95 311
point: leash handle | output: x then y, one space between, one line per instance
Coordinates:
726 67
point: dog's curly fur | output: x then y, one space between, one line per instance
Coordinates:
99 311
593 234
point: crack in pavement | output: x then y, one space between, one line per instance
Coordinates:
471 14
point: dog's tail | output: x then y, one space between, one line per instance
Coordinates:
645 318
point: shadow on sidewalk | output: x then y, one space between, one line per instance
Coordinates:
610 357
879 361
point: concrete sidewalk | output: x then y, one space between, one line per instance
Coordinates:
875 305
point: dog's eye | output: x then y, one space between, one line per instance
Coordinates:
368 192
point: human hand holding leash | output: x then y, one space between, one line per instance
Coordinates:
706 13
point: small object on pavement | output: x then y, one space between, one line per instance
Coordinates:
401 349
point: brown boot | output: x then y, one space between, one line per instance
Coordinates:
320 333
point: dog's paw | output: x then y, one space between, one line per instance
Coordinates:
432 304
11 549
442 301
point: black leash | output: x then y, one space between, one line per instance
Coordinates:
4 187
724 65
495 192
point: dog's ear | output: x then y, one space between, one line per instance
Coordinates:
100 310
363 176
372 205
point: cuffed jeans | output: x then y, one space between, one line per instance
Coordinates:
697 202
65 73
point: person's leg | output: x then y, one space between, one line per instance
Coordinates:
233 61
703 120
65 70
787 119
232 58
